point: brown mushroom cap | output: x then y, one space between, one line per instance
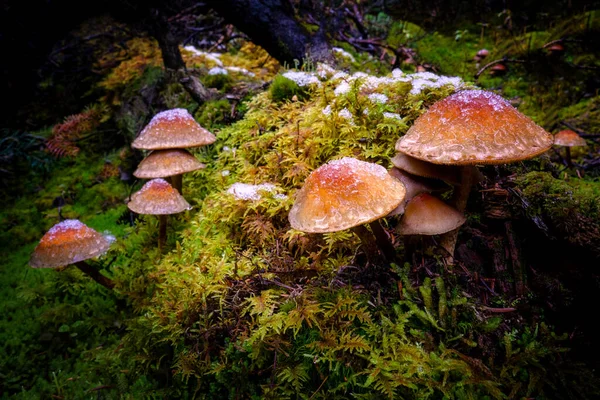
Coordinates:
428 215
172 129
483 53
163 163
157 197
414 185
474 127
68 242
569 138
345 193
414 166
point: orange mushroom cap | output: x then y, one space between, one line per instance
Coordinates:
428 215
163 163
68 242
414 185
159 198
474 127
569 138
172 129
345 193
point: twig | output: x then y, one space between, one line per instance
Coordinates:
499 310
502 60
321 385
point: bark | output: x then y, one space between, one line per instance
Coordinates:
271 24
172 59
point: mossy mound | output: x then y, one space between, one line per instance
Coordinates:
571 209
251 307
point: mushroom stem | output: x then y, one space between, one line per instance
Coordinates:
95 274
366 239
568 157
459 199
162 232
177 182
383 241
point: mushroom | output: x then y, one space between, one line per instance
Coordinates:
498 69
568 138
71 242
157 197
425 169
173 129
555 49
165 163
483 53
468 128
428 215
348 193
414 185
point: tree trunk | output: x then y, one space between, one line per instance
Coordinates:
272 25
172 59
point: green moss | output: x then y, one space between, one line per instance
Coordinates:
570 208
214 114
283 89
222 82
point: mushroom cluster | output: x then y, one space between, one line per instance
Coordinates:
168 134
469 128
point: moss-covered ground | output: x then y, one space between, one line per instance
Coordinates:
240 305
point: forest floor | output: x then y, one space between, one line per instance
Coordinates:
240 305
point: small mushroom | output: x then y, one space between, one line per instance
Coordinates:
168 163
483 53
348 193
173 129
556 49
468 128
414 185
498 69
71 242
568 138
428 215
157 197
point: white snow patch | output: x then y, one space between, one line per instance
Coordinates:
344 53
217 71
345 113
302 78
327 110
378 98
242 71
214 57
325 71
244 191
342 88
392 116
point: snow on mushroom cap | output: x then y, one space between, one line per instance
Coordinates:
345 193
68 242
171 129
474 127
159 198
